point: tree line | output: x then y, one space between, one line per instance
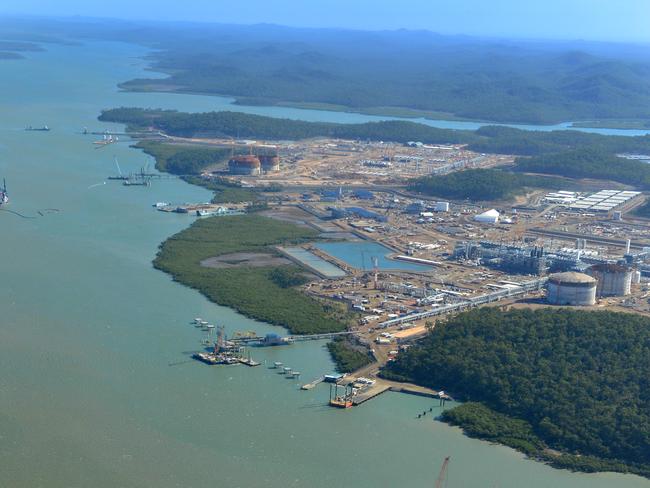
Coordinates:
580 379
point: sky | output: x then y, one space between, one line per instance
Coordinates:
608 20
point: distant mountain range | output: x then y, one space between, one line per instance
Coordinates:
409 73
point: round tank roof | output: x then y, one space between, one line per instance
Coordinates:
572 277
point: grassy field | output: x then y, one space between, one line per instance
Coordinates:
254 291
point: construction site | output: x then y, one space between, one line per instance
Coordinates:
334 162
402 261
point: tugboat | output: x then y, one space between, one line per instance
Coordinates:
4 196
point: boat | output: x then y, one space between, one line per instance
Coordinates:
45 128
131 182
206 357
277 364
105 140
161 204
4 196
286 371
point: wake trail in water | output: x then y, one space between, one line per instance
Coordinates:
16 213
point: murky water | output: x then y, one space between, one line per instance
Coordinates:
96 386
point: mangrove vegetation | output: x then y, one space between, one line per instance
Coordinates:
574 382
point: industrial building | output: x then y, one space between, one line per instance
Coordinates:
489 217
341 213
248 165
614 280
571 288
441 207
605 200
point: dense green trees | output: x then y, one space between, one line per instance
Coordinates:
589 163
580 379
478 184
288 276
236 124
182 159
252 291
505 81
348 356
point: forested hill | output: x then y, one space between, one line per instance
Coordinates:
580 381
488 139
236 124
401 72
384 72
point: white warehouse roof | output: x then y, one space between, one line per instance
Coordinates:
491 216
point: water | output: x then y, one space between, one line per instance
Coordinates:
359 254
206 104
88 331
315 262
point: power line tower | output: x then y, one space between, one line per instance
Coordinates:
441 482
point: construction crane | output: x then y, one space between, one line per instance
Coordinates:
441 482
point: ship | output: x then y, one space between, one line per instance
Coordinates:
4 196
45 128
106 140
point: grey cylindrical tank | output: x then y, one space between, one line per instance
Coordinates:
571 288
614 280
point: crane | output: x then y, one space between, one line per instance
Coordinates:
441 482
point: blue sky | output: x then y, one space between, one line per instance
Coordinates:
612 20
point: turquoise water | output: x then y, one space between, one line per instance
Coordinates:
96 385
315 262
359 254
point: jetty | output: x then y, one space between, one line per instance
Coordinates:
313 384
370 393
291 338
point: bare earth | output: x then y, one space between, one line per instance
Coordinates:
252 259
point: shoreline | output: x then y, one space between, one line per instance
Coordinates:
392 113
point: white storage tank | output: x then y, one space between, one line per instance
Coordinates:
571 288
614 280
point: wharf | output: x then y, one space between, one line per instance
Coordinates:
370 393
309 386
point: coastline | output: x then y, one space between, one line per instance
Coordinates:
386 113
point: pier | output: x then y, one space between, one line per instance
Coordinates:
309 386
370 393
292 338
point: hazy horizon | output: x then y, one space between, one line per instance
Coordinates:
591 20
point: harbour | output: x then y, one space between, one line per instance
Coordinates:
97 403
